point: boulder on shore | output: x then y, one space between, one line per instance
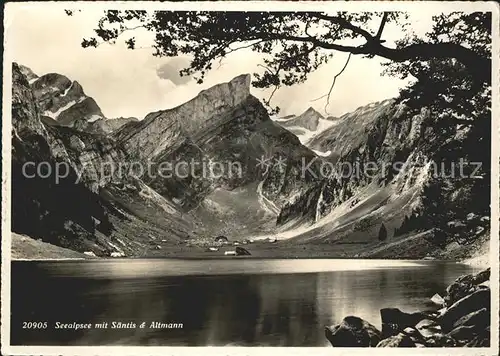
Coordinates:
457 291
438 300
478 319
466 322
481 340
477 278
413 334
394 320
465 285
428 327
353 332
399 340
469 304
472 327
440 340
466 333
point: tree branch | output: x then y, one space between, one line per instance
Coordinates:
266 68
231 50
333 84
121 32
276 87
478 65
344 24
382 25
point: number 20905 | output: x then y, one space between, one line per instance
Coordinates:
34 325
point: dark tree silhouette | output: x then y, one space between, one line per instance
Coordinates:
456 92
294 44
409 224
436 210
382 233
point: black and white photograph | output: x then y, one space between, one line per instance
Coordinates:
250 177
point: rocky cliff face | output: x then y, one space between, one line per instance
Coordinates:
42 208
306 126
69 190
367 146
28 73
219 164
223 124
382 159
161 130
108 126
352 132
309 120
227 127
87 154
62 101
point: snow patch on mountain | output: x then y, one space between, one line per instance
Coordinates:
54 115
94 118
283 119
323 154
305 135
67 89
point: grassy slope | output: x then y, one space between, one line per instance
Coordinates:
24 247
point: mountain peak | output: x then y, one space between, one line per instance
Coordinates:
26 71
215 99
309 120
243 79
166 128
238 88
312 111
61 100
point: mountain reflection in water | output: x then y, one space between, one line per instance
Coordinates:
218 302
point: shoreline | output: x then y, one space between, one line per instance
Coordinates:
481 262
476 255
471 264
461 318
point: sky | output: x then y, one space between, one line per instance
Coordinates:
128 83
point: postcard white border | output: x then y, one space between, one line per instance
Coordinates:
10 11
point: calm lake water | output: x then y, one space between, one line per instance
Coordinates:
243 302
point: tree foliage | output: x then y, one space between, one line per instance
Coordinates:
382 233
451 89
458 98
295 44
